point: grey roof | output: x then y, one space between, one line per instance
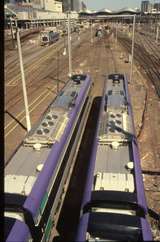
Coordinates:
114 160
111 161
39 141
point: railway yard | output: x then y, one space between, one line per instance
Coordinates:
46 71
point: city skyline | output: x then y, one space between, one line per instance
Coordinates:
114 5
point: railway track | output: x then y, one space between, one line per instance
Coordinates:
95 63
149 44
45 82
149 134
148 62
23 36
36 70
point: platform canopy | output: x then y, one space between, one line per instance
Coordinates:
126 10
104 10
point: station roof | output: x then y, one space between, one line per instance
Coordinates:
106 11
127 10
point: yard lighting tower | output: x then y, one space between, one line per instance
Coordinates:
69 39
28 122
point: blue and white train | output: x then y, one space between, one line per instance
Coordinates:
48 37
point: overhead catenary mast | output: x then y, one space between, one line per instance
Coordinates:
69 40
28 122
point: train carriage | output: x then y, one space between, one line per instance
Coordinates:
38 173
114 206
48 37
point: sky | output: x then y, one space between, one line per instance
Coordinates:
112 4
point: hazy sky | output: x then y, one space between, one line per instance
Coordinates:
112 4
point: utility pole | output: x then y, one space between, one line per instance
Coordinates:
116 32
69 41
58 56
64 51
91 32
23 82
132 51
157 34
12 35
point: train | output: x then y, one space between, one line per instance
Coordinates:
48 37
113 206
37 176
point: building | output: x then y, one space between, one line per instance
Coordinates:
75 6
146 7
48 5
83 7
72 5
157 7
39 9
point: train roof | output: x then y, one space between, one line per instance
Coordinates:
114 205
27 162
114 152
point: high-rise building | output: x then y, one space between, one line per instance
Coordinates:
75 5
146 7
72 5
157 7
84 7
65 5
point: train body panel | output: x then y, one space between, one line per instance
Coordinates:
37 172
114 205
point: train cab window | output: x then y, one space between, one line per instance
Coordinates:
78 78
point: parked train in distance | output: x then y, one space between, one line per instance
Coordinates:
113 206
48 36
38 173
